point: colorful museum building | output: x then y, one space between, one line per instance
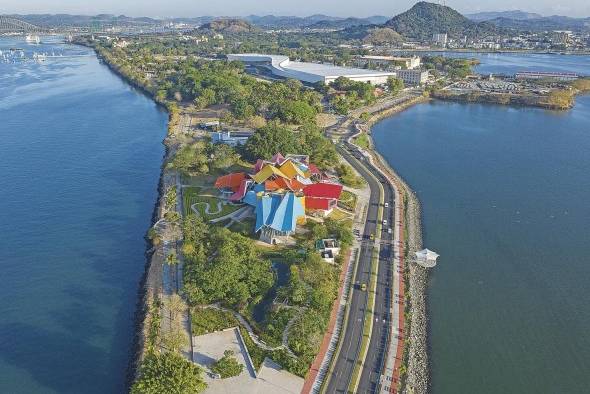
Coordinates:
282 191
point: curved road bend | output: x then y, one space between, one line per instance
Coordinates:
339 380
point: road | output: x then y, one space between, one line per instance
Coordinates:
382 312
339 381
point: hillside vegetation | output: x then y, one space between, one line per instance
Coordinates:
383 36
425 19
229 25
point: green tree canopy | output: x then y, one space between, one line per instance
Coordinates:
168 373
270 139
227 366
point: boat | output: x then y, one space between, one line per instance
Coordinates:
32 39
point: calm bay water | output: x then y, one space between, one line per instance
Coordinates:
511 63
79 159
505 195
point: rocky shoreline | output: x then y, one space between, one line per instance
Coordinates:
415 355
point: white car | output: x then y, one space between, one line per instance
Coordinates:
385 222
386 205
389 230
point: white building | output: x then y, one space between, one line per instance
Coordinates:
440 39
232 138
413 77
408 62
561 37
311 72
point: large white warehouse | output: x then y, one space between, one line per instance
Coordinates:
311 72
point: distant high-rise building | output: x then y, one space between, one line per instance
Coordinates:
440 39
561 37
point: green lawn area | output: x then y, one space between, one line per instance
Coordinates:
347 200
194 195
338 214
362 141
204 321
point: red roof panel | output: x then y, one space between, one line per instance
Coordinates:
323 190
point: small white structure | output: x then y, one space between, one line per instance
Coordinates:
426 258
328 249
231 138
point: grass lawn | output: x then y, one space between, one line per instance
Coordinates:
338 214
362 141
347 200
194 195
204 321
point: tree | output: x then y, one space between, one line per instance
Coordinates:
296 112
313 143
192 159
227 366
232 272
224 156
270 139
395 84
205 98
168 373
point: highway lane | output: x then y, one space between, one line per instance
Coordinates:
383 303
339 380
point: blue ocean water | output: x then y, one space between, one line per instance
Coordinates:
505 196
80 157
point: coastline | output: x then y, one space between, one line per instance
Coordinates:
151 283
415 372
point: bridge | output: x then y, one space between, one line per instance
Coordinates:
12 25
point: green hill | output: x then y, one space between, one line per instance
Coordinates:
229 26
425 19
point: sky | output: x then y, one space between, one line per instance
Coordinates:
189 8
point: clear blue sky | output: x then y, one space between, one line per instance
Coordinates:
165 8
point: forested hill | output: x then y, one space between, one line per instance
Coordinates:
229 25
425 19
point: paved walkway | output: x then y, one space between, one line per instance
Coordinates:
251 333
207 208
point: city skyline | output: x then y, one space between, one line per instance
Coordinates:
186 8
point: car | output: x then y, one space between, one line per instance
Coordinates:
372 237
385 222
389 230
386 205
363 287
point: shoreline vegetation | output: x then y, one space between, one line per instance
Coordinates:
559 99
